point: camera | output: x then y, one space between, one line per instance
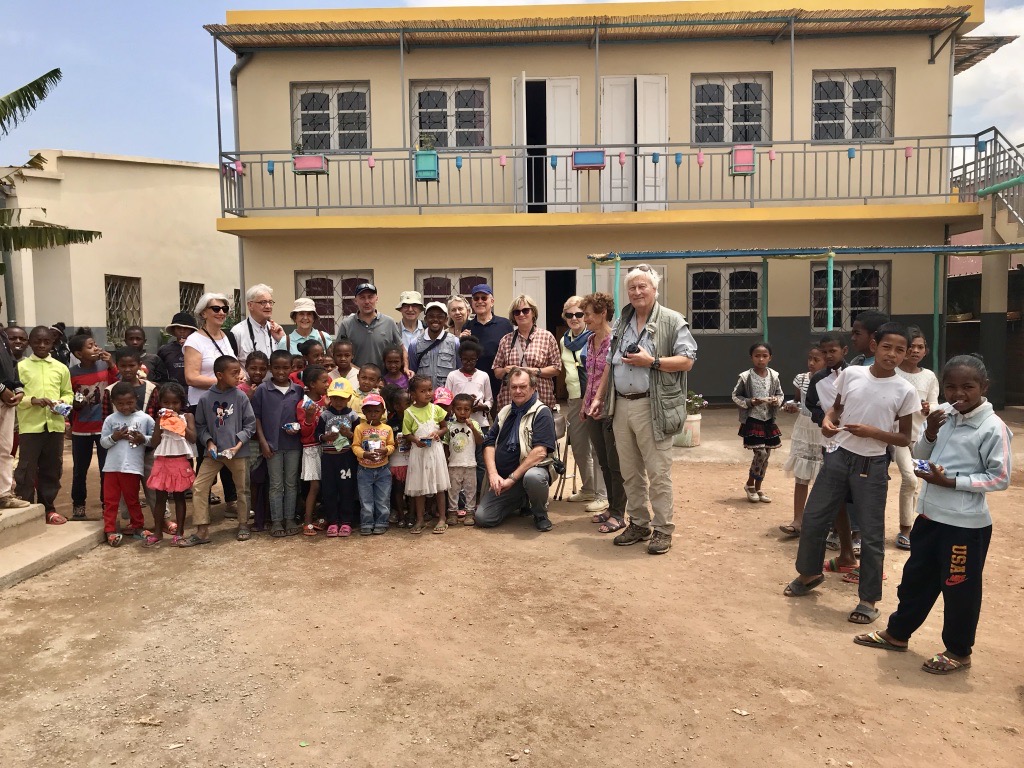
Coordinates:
632 349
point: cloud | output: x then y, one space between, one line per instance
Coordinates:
991 93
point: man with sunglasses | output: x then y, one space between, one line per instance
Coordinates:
259 332
488 328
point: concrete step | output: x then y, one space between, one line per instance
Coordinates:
20 524
55 545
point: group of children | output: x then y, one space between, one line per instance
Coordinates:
853 421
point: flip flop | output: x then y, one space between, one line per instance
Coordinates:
192 541
790 530
441 527
875 640
941 664
853 576
863 614
151 541
332 532
55 518
832 566
902 541
417 529
797 588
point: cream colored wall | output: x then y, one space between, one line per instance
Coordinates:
922 90
393 257
157 220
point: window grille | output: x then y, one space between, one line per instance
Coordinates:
451 114
189 295
437 285
853 105
856 287
725 300
330 116
331 292
731 108
124 304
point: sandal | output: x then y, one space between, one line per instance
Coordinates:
345 531
142 535
611 525
832 566
856 547
863 614
441 527
797 588
292 530
763 497
243 534
169 527
151 541
601 518
902 541
114 539
309 530
853 576
832 540
277 531
332 532
791 531
416 529
875 640
191 541
941 664
320 524
56 518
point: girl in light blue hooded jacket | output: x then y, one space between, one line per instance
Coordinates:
962 454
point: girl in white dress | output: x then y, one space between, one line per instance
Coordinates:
424 425
805 457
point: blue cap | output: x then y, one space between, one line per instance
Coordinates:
482 288
364 287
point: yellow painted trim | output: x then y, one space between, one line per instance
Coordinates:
508 12
284 225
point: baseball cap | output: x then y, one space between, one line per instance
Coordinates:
372 399
340 388
437 305
443 396
365 287
410 297
481 288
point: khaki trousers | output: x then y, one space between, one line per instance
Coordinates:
7 419
238 466
645 463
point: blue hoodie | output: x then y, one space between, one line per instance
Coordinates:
975 449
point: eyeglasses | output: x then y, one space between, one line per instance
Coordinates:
572 315
483 297
523 311
218 308
266 303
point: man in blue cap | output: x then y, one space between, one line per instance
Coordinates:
487 328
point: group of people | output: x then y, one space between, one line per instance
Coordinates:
853 421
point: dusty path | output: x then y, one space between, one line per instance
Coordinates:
469 649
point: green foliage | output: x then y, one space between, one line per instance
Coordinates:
16 105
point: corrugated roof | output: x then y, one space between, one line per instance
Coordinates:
975 49
580 29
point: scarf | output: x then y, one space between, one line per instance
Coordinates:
575 346
515 415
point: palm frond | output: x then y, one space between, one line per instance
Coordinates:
40 236
16 105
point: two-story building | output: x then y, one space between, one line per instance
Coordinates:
436 148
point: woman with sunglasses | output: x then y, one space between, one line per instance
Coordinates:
573 346
529 347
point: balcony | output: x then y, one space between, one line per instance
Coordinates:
518 179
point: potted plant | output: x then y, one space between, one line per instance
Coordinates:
690 436
425 159
307 164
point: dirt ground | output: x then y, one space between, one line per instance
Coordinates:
489 648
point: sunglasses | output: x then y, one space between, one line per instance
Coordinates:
218 308
572 315
523 311
480 298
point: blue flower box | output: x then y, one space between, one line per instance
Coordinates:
426 165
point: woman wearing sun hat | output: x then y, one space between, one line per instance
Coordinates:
304 315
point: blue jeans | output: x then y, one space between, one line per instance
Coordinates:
283 468
374 496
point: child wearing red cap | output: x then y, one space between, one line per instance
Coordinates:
372 443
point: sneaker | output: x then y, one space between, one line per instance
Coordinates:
581 496
78 512
366 531
379 531
751 494
543 524
10 501
231 509
632 535
832 540
597 505
660 543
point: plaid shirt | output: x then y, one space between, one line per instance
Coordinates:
541 352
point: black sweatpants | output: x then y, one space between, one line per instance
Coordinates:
338 490
81 457
949 560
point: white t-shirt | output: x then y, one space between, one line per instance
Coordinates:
210 350
927 386
826 389
874 402
461 445
478 385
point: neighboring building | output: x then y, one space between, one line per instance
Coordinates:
158 253
707 125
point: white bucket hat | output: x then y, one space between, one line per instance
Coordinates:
410 297
303 305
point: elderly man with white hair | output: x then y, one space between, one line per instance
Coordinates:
258 331
643 391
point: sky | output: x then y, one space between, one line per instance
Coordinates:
138 76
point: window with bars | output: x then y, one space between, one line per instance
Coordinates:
853 105
731 108
330 116
451 114
855 288
124 304
725 299
189 295
440 285
333 293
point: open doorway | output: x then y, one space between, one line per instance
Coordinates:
559 285
536 140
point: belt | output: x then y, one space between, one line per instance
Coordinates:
633 396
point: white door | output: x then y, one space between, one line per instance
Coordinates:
518 159
652 129
563 128
530 282
618 118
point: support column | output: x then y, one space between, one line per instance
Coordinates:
995 279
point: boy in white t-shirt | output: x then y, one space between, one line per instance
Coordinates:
464 435
869 400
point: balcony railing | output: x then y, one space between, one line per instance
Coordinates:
517 179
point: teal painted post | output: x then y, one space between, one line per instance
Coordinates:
828 291
615 290
593 277
764 297
936 298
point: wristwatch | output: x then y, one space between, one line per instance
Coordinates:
656 364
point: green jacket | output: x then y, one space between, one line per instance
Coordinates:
44 377
668 390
